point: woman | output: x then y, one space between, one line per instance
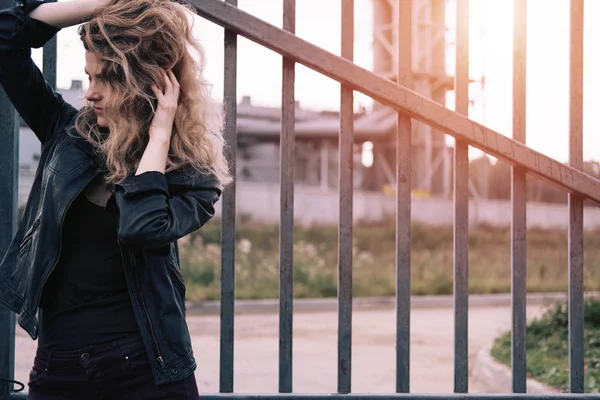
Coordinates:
118 183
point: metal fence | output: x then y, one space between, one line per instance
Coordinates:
409 105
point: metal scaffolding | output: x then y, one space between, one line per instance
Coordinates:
430 78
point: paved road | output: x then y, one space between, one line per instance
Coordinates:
315 349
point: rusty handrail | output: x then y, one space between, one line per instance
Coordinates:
398 97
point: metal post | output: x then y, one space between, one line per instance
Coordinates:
519 203
228 227
346 186
403 203
461 207
9 154
286 234
576 317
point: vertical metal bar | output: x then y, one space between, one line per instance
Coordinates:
519 202
9 161
346 172
228 226
286 230
576 360
461 207
403 203
9 154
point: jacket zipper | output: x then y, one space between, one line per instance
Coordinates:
62 219
160 359
176 271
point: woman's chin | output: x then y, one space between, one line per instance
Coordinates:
102 122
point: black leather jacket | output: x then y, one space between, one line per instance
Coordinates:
154 210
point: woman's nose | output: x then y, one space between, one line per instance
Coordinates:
89 96
92 94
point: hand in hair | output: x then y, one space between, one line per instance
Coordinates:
164 115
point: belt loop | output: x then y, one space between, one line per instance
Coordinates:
49 362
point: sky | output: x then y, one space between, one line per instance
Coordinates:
318 21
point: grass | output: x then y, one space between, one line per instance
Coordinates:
547 347
315 261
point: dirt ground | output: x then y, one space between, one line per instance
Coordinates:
315 350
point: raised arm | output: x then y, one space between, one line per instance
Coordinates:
30 25
65 14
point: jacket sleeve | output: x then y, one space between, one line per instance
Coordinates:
151 217
38 104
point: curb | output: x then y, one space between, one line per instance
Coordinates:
497 377
373 303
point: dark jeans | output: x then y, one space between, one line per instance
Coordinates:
115 370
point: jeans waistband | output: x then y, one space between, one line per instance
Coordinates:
48 360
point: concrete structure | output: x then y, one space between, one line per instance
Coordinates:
260 201
312 205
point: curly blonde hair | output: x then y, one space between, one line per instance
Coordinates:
137 40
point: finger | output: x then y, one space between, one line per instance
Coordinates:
173 79
168 84
176 88
157 92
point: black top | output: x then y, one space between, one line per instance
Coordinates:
85 300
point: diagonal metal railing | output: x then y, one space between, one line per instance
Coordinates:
398 97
